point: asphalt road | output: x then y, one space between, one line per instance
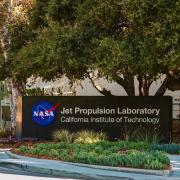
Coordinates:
11 174
8 174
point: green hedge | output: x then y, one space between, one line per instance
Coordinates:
169 148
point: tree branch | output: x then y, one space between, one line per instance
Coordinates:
144 85
101 90
163 87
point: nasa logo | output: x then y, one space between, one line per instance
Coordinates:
44 113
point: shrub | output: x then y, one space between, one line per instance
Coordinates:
133 145
145 134
53 153
148 160
103 153
47 146
151 135
134 159
86 136
129 133
168 148
24 149
63 136
3 133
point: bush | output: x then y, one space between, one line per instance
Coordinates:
24 149
133 145
103 153
86 136
168 148
63 136
141 134
47 146
134 159
148 135
4 133
147 160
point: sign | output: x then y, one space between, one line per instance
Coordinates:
117 116
43 113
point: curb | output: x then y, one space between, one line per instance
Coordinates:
117 169
59 173
5 149
51 172
127 170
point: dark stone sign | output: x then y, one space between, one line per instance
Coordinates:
118 116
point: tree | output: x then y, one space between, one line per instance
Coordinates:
122 39
13 19
3 42
144 42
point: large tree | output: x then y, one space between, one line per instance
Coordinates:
122 39
13 35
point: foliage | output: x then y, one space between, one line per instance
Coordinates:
146 134
4 133
14 33
133 159
3 12
86 136
140 145
63 136
34 92
3 17
169 148
150 135
73 38
137 38
3 90
103 153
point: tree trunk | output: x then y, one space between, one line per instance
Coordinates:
127 83
144 85
16 91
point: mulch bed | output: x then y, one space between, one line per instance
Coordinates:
6 143
14 145
16 151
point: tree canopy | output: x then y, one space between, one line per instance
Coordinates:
122 39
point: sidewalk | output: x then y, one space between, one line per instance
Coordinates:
175 161
78 171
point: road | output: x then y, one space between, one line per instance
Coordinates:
11 174
8 174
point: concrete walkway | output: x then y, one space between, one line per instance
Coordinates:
64 169
175 162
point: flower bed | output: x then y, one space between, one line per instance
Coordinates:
122 154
